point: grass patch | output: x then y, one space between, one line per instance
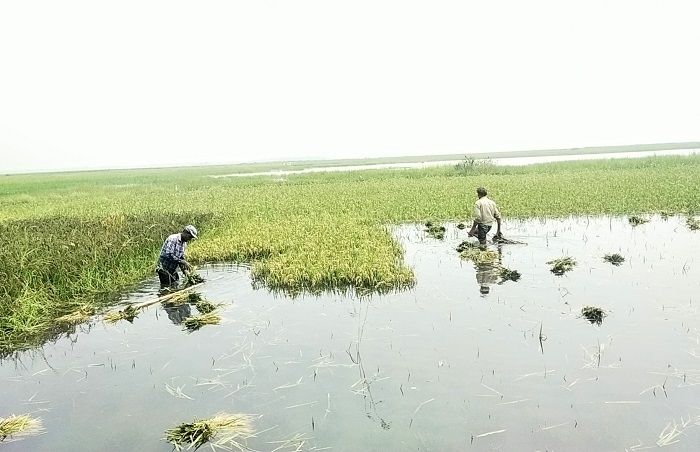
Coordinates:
13 427
223 431
615 259
562 265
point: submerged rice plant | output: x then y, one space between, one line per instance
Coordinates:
129 313
615 259
195 322
13 427
562 265
223 430
636 221
507 274
693 223
593 314
435 230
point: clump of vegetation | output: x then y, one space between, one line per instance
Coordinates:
435 230
195 322
223 431
615 259
479 256
636 221
13 428
562 265
593 314
129 313
206 306
693 223
507 274
461 226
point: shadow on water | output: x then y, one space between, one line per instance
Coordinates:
447 365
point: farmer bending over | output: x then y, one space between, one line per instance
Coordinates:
485 212
172 256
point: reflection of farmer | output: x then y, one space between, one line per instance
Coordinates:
172 256
485 213
486 274
178 313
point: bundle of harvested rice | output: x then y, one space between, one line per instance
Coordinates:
196 322
129 313
223 430
14 428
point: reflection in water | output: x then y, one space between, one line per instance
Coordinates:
178 313
488 274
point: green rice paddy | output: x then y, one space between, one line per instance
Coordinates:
73 241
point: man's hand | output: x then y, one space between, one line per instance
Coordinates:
186 267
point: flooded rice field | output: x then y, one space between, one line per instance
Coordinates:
459 362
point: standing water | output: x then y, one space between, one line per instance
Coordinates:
460 362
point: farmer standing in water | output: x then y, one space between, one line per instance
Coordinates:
172 257
485 213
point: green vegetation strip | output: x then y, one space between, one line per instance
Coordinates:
78 239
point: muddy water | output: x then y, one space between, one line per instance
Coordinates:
441 367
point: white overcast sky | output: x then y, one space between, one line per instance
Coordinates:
137 83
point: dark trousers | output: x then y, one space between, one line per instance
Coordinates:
167 279
481 231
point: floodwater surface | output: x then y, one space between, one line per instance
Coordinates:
440 367
505 161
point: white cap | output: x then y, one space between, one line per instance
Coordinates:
191 230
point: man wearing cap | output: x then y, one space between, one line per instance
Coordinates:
485 213
172 256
